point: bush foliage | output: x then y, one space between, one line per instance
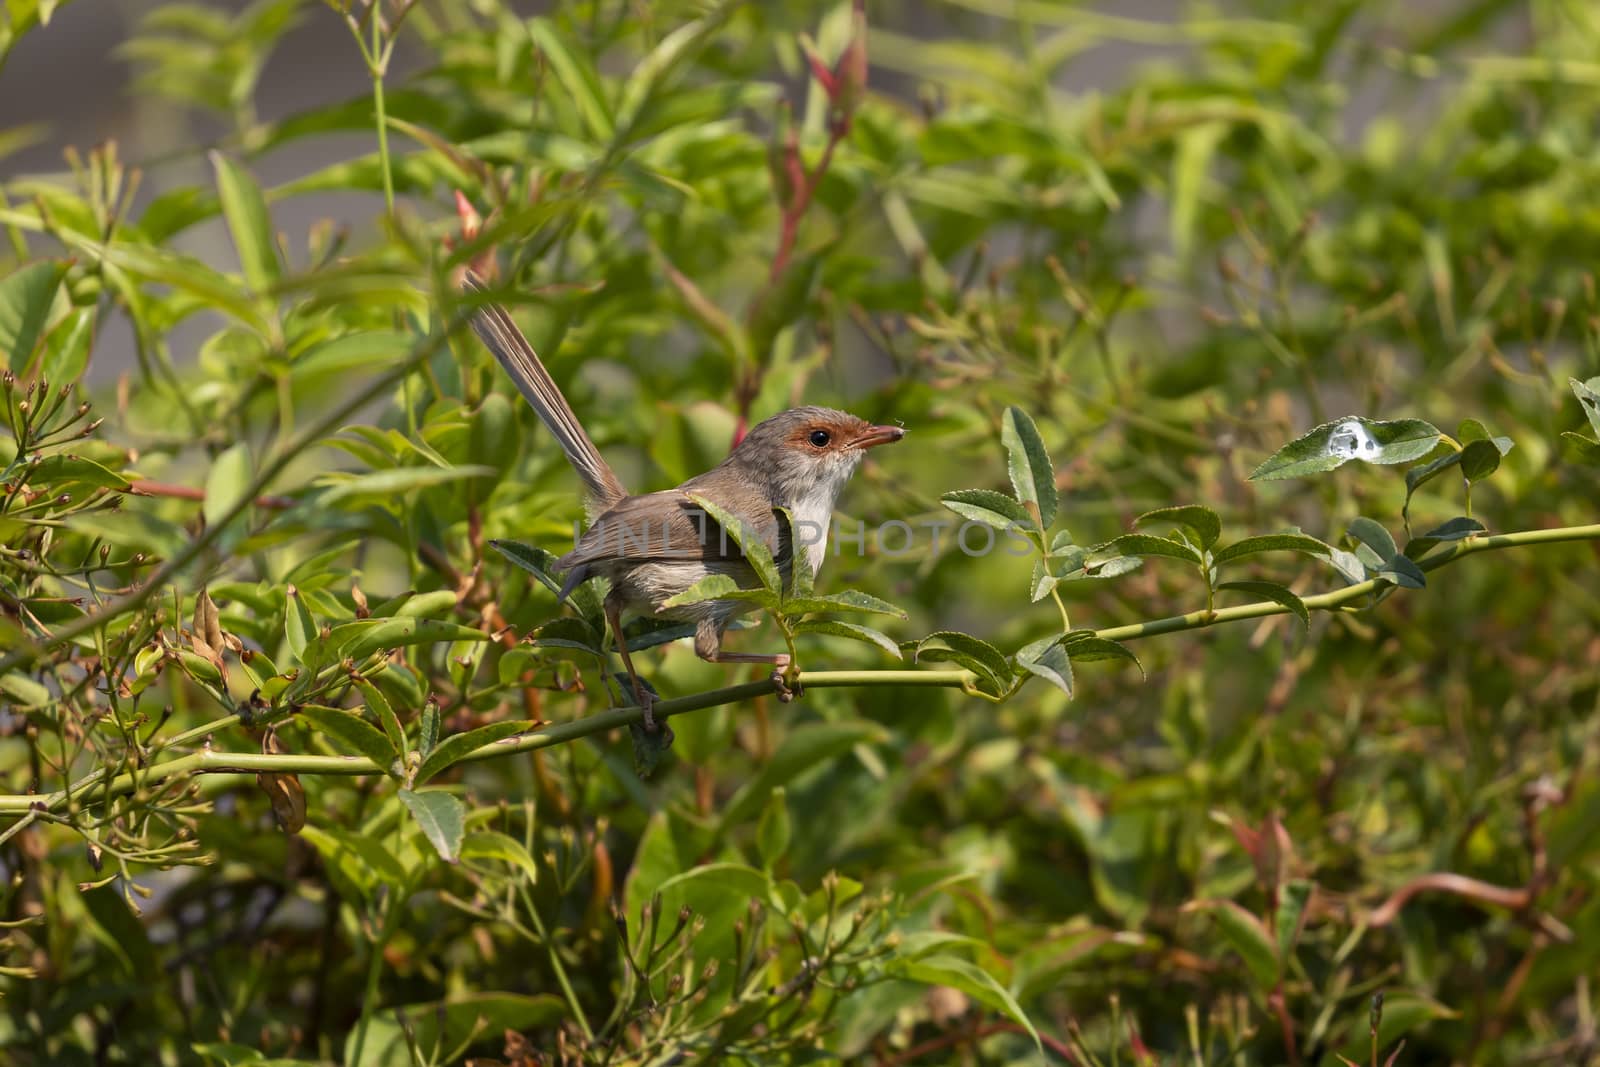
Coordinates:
1266 733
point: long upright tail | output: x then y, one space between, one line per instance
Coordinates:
516 355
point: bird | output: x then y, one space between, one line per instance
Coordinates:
653 546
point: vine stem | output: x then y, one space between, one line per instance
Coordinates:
209 761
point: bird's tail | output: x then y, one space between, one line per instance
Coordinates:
494 326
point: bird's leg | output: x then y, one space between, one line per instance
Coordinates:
645 698
708 646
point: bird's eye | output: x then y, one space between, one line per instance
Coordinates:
819 438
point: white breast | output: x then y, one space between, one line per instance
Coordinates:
813 515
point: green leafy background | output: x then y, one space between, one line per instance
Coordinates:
1213 760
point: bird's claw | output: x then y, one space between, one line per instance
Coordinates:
788 685
647 704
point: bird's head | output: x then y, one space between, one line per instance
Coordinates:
806 449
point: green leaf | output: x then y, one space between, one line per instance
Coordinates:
720 587
357 640
442 818
396 480
1588 451
653 73
1479 459
379 705
245 210
1205 524
227 482
299 628
1333 444
61 471
67 345
754 550
989 507
854 631
1373 535
1278 542
1085 646
359 864
956 973
24 691
570 633
352 734
847 600
1032 476
209 287
1401 571
802 578
1249 937
450 751
1045 658
804 748
577 78
1457 529
1419 476
773 830
977 656
1278 594
1142 545
536 561
1588 394
26 295
493 845
649 747
366 350
115 926
1292 900
426 605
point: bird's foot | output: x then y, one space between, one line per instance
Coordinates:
647 704
787 680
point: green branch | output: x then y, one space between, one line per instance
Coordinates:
546 736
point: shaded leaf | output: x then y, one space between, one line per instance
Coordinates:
1205 524
449 752
1249 937
854 631
750 545
975 654
1278 594
1141 545
956 973
1588 394
442 818
493 845
352 734
26 295
1032 475
1045 658
362 638
1456 529
245 210
1278 542
987 506
804 748
227 483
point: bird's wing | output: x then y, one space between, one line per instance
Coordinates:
668 526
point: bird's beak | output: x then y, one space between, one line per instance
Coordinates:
878 435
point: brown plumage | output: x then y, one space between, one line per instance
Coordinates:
655 546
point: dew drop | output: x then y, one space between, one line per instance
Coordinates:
1351 440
